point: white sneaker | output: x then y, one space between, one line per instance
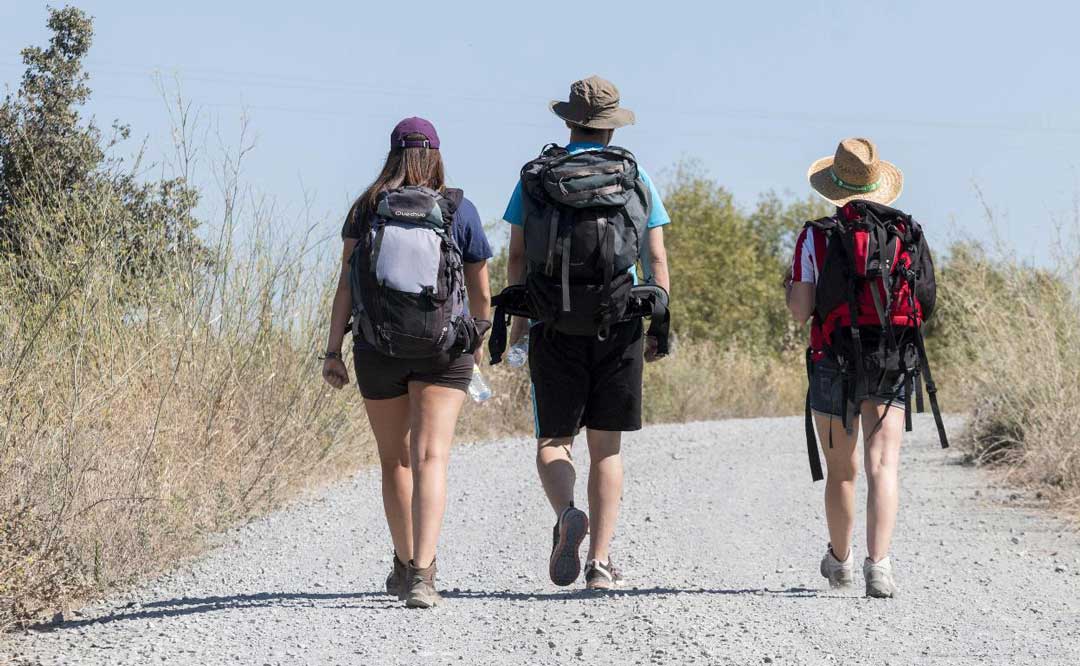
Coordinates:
879 578
841 573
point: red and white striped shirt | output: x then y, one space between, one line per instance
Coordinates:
809 255
806 267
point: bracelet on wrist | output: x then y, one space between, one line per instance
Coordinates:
329 355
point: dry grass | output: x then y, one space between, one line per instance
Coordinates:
136 420
508 412
703 380
1013 344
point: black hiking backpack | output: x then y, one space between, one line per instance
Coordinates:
585 215
407 277
875 290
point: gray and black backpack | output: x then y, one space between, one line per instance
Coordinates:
585 216
407 277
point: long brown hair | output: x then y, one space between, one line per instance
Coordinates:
422 167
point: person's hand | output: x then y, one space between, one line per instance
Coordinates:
519 328
478 355
335 373
651 346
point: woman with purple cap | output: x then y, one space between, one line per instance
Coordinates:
414 278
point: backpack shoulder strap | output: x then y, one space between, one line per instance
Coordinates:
621 152
449 201
453 195
824 224
532 170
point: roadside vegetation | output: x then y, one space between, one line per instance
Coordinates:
158 370
1010 337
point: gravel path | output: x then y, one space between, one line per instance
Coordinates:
720 539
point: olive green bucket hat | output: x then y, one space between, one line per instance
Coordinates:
594 103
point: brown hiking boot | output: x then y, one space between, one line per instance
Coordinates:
421 591
395 582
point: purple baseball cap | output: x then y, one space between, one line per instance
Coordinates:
414 126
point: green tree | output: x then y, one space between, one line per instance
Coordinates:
727 264
60 191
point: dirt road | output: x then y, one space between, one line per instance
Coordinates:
720 540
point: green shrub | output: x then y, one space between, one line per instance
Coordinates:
727 264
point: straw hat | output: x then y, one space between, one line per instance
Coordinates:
855 172
594 103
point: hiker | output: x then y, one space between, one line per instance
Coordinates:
582 216
864 277
413 250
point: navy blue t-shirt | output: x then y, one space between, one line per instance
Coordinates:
468 232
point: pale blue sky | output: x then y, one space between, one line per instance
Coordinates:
955 93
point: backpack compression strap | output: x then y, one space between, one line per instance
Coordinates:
653 300
811 440
931 388
847 242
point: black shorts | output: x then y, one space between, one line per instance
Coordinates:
580 380
827 391
382 377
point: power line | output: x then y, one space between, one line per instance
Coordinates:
313 84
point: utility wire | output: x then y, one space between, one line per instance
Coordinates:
287 83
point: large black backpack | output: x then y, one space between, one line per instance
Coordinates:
585 215
407 277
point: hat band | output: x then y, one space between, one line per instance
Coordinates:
851 186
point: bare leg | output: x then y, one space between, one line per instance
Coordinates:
389 421
842 465
432 417
605 489
882 475
555 466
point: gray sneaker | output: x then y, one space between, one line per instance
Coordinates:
421 587
395 582
880 583
601 575
841 573
564 565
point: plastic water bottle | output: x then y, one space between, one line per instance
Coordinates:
479 390
518 354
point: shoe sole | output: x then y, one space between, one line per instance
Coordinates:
565 563
600 587
875 593
416 602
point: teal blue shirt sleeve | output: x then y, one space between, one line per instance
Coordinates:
513 213
658 215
